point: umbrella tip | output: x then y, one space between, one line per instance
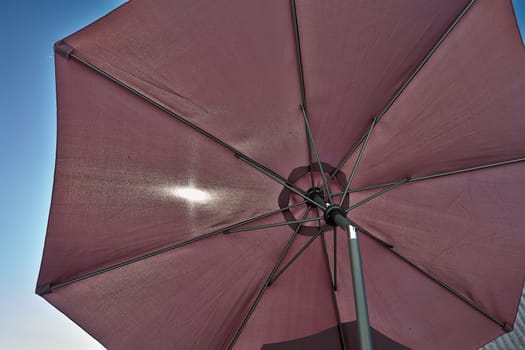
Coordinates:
507 327
63 49
43 289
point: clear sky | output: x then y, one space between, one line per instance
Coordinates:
28 29
519 10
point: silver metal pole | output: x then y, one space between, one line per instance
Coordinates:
363 324
336 216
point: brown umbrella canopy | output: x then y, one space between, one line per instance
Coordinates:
183 212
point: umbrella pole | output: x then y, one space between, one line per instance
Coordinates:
363 324
335 216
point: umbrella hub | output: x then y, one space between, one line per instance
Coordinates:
309 180
332 213
316 194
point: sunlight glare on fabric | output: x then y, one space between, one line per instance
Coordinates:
192 194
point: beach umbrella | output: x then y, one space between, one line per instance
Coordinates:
275 175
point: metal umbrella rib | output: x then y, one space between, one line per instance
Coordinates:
316 152
358 160
41 290
405 84
375 195
238 154
301 81
447 173
296 256
298 52
504 325
284 223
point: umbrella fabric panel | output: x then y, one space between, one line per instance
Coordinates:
406 306
193 297
464 108
228 67
298 304
130 179
356 55
466 229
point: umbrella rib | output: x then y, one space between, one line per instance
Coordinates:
301 78
176 116
297 255
310 162
448 173
334 296
375 195
298 51
54 286
346 157
504 325
407 82
252 228
267 283
356 164
283 182
49 288
316 152
263 216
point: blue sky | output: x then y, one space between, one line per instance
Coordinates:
28 30
519 10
